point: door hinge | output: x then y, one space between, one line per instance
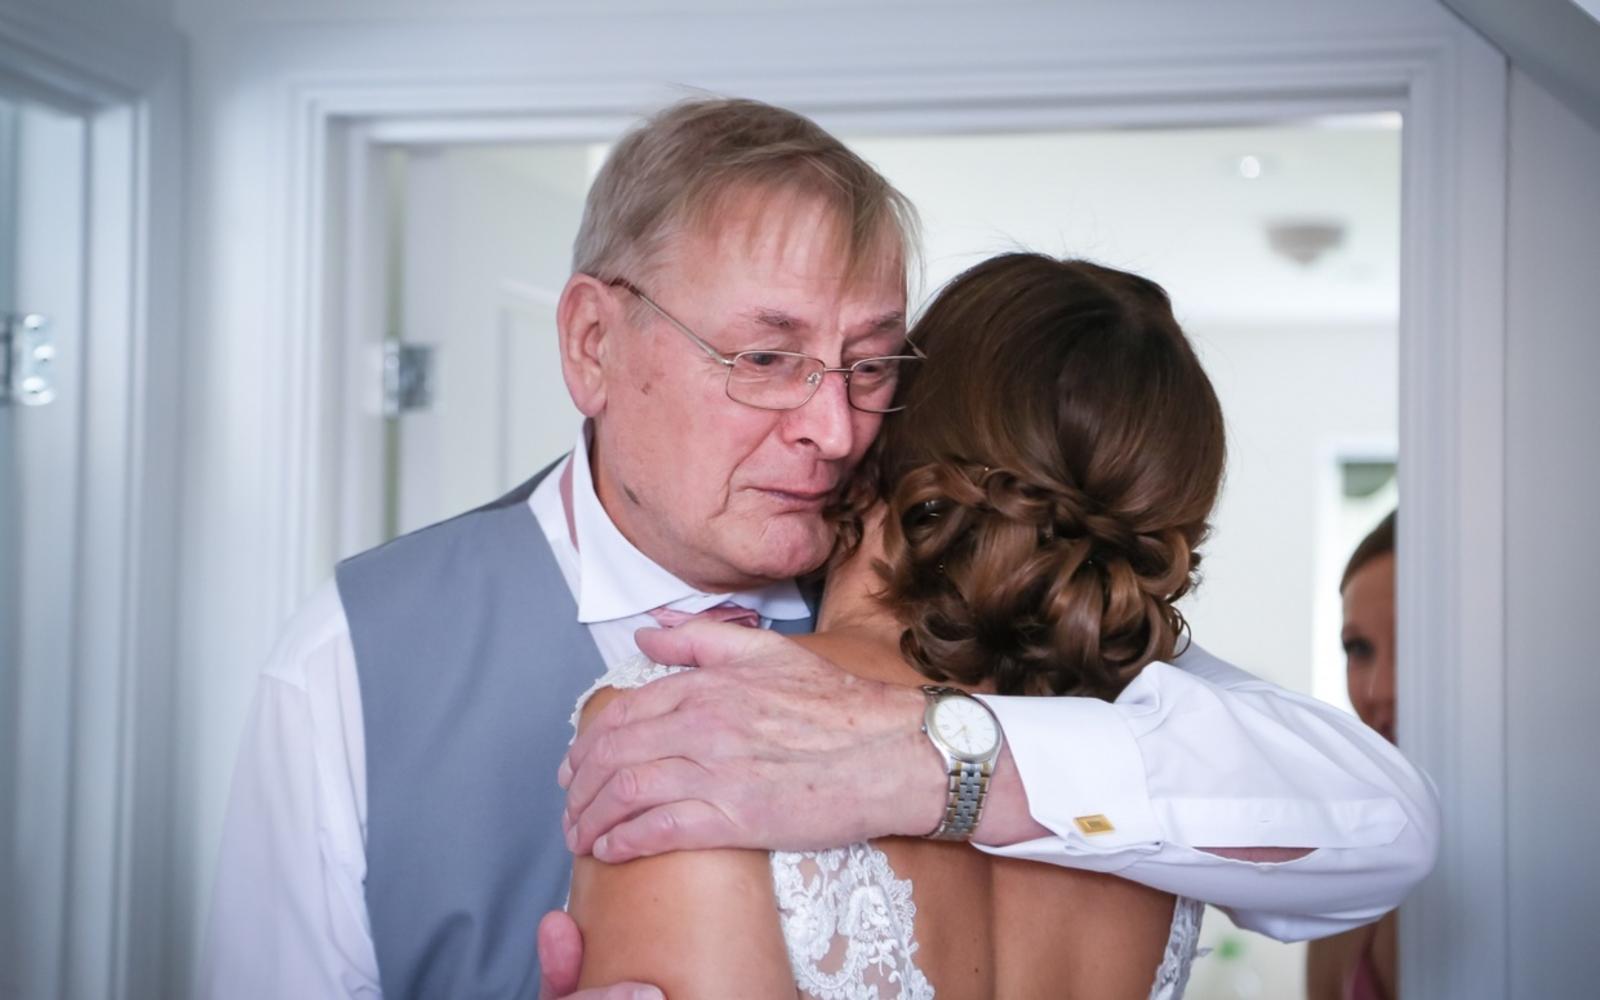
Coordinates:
407 378
27 356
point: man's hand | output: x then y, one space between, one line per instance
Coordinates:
766 746
561 960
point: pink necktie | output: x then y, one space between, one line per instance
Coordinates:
726 612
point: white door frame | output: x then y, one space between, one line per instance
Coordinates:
1451 87
124 75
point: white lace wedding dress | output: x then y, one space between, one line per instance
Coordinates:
847 920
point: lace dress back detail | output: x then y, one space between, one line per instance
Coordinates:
848 921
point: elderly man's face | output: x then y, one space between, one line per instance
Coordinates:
722 494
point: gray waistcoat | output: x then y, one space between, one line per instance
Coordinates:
470 658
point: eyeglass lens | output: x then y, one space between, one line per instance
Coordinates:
778 380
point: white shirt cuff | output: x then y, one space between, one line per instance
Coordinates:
1082 771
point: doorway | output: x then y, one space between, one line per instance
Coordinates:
478 247
1038 69
1278 242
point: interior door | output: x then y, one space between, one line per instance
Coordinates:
42 225
484 246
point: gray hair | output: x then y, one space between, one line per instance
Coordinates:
678 169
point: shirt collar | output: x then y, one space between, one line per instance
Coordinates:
616 580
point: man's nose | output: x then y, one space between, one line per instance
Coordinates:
825 421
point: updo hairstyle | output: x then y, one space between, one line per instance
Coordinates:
1049 479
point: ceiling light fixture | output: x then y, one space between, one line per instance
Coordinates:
1304 241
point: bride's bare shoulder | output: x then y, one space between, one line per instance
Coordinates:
668 920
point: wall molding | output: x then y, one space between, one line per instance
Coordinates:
124 75
1452 559
1449 84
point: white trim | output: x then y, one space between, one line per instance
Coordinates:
1451 87
359 218
125 76
1554 41
1452 603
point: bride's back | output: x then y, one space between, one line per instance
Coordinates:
999 927
995 927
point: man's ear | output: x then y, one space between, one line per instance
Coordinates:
584 317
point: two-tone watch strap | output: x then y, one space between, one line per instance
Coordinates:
968 780
969 783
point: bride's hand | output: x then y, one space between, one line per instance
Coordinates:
766 746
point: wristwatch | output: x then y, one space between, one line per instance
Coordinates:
967 736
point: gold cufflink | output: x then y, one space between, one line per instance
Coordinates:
1092 825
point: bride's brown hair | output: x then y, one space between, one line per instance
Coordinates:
1049 479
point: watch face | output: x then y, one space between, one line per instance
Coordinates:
966 727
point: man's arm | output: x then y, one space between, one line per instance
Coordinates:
288 915
763 748
288 909
1200 765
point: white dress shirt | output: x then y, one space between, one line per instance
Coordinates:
1192 755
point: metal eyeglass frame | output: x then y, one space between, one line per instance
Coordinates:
814 380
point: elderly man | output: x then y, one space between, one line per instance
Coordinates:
396 827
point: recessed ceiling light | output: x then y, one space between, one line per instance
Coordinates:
1250 167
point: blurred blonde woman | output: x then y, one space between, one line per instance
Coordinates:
1363 964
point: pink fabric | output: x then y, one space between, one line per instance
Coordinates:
728 612
1363 983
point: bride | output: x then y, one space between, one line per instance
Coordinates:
1024 527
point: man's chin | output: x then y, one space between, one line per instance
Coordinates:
784 558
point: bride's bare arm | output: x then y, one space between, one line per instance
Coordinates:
695 923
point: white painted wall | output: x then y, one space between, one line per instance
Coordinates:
1552 547
1289 395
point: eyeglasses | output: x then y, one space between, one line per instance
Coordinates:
784 380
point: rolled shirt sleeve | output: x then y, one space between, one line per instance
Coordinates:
1201 755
